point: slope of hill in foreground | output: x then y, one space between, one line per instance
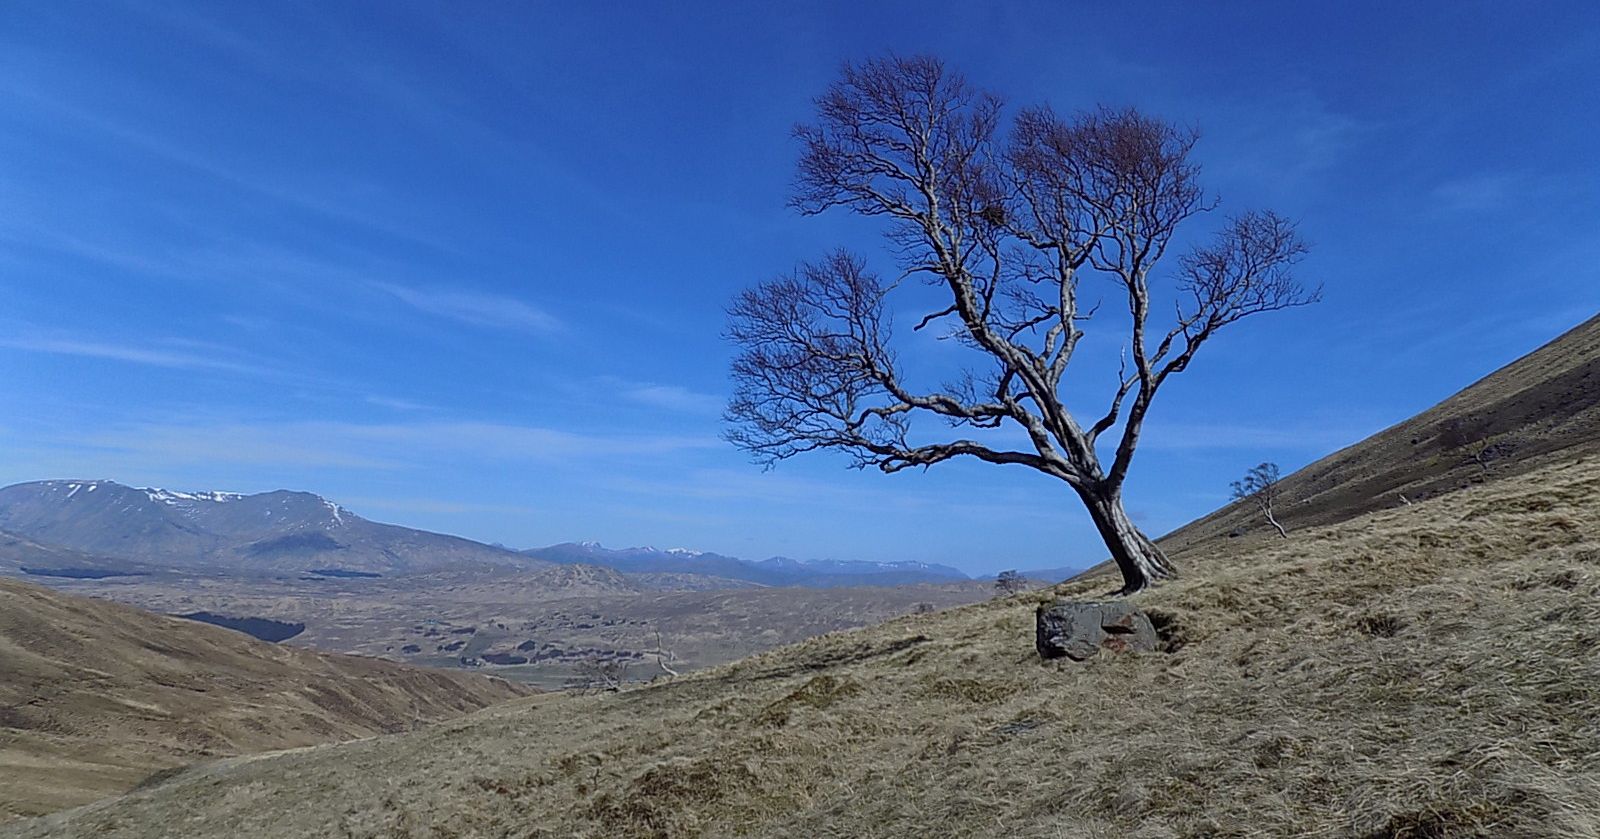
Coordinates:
95 696
1543 406
1426 670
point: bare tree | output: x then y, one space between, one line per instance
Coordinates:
1260 487
600 672
663 655
1010 582
1008 227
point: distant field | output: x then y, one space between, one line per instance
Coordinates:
473 622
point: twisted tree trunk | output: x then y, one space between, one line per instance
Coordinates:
1273 520
1137 557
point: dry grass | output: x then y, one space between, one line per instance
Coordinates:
1428 671
95 696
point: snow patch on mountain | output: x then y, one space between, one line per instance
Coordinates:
170 497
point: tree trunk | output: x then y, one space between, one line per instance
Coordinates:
1273 520
1137 557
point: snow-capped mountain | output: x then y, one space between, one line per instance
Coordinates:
279 531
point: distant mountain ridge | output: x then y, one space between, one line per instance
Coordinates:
775 571
101 527
269 532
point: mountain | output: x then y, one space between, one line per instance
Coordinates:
1423 670
827 573
1045 575
96 696
645 560
108 526
271 532
777 571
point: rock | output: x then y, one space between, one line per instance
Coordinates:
1078 631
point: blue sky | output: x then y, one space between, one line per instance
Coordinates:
463 266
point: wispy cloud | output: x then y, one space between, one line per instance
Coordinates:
380 446
492 310
183 359
1476 193
396 404
670 397
223 172
1480 192
1285 139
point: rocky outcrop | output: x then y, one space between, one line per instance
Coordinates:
1079 631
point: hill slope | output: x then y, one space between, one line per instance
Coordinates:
1544 405
20 555
1426 670
97 695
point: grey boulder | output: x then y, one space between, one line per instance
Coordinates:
1079 631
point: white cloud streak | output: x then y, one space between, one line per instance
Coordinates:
383 446
491 310
135 354
672 398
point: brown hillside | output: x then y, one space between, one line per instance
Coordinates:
1545 406
96 695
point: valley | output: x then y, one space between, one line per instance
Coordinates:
347 585
487 622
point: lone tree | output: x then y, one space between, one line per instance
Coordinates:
1012 229
1260 487
1008 583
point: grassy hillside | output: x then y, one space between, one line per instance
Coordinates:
1422 670
96 696
1544 406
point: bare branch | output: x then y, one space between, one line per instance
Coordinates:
1246 270
816 372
